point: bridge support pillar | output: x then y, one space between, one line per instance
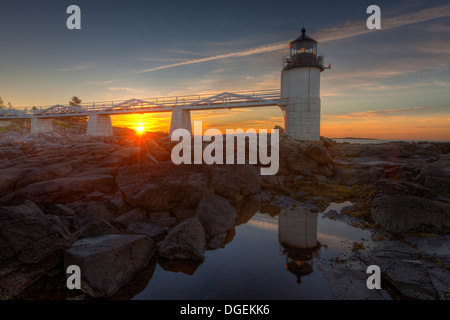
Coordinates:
4 123
99 125
39 125
181 119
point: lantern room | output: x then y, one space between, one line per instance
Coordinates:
303 53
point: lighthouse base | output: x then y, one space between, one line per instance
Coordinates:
300 92
302 119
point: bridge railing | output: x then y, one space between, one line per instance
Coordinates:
160 102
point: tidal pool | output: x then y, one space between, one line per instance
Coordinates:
255 265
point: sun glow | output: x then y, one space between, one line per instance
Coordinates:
140 129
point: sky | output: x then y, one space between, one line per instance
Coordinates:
392 83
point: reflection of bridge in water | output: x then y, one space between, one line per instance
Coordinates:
100 113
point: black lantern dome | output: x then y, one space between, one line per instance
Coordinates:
303 53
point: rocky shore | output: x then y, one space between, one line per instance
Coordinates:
111 205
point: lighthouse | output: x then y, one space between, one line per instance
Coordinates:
300 89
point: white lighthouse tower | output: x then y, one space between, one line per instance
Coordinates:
300 89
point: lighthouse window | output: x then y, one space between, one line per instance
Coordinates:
298 48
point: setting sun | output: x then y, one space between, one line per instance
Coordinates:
140 129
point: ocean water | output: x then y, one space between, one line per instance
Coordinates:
365 141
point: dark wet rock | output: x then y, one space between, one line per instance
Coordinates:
264 196
64 190
405 213
108 262
65 214
31 243
165 187
186 241
247 208
163 219
319 154
135 215
10 177
321 178
87 212
137 284
300 163
117 204
405 268
45 173
149 229
392 187
440 280
336 153
348 282
325 171
251 177
436 247
97 228
281 202
275 180
351 177
216 214
328 142
216 241
235 182
184 266
182 213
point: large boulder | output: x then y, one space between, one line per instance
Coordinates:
185 241
163 188
108 262
44 173
96 228
235 182
319 154
408 270
298 162
87 212
31 243
148 229
135 215
63 190
216 214
10 177
406 213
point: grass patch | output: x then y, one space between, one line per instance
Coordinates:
338 260
420 234
357 246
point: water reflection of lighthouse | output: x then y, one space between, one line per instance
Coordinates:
297 234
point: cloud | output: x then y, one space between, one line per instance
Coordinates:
249 52
100 83
442 84
352 29
375 114
75 68
218 71
347 30
190 53
122 89
162 59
